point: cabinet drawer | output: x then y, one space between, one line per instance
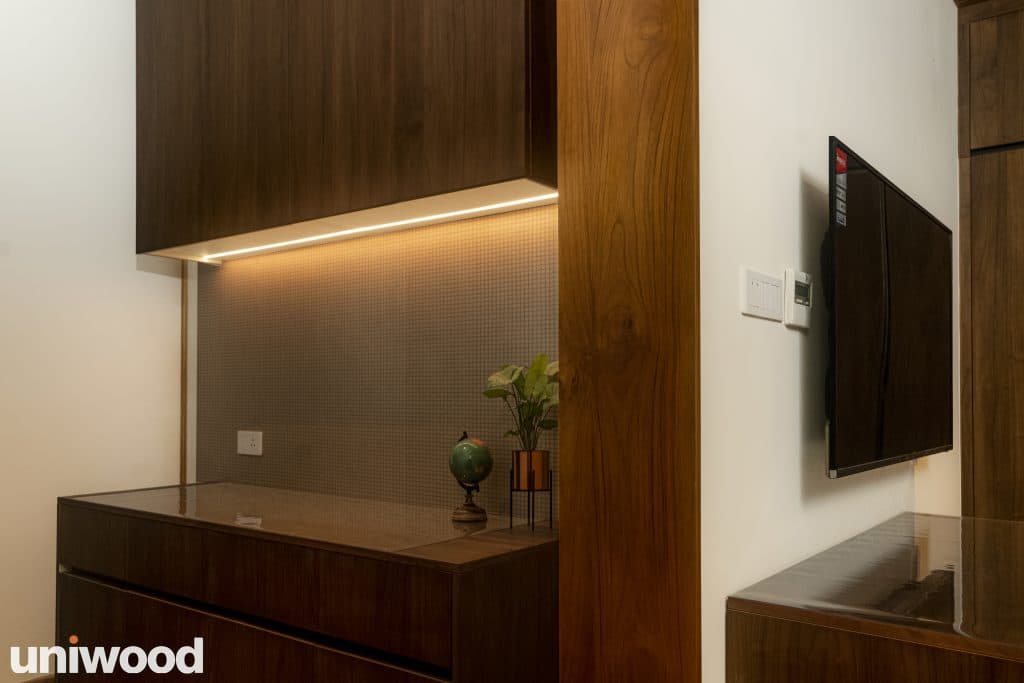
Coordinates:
396 608
106 616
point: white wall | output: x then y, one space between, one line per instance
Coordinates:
89 335
776 79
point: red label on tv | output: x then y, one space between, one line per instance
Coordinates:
840 161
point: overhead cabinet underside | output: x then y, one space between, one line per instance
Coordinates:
254 115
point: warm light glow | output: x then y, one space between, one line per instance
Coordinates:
490 208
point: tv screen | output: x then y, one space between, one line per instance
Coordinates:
888 279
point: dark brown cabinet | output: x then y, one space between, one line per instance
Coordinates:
256 114
997 80
112 616
360 592
916 599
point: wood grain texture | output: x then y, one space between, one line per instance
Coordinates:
518 598
963 78
947 582
169 46
997 300
629 595
966 344
542 93
103 615
916 598
480 606
763 649
391 607
398 532
974 10
964 254
259 114
997 80
91 539
993 592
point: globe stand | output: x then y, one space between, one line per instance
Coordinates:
469 511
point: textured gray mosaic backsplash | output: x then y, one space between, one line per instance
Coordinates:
363 361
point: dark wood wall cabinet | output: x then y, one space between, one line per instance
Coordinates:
992 256
255 114
284 585
918 599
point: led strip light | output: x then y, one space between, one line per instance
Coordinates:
435 218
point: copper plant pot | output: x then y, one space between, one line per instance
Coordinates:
525 462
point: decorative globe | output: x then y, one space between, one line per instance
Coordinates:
470 462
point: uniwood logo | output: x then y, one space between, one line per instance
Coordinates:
90 660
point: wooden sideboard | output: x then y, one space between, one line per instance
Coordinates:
285 585
920 598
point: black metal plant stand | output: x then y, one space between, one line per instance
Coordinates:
531 498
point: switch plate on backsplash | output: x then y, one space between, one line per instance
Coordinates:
250 443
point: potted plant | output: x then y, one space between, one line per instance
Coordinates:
530 394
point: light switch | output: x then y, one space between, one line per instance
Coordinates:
761 295
250 443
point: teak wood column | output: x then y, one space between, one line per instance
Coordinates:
629 340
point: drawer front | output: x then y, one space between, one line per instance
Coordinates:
105 616
92 540
396 608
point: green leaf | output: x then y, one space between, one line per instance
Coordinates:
552 369
498 379
536 380
496 392
550 423
511 432
550 395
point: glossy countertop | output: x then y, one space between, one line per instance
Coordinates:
369 526
955 581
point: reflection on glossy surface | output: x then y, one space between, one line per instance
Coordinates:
947 574
352 522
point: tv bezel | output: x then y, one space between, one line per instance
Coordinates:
834 471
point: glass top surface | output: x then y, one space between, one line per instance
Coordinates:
958 575
373 525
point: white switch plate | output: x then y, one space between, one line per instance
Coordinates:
250 443
761 295
799 303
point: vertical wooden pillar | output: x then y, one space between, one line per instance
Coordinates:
629 340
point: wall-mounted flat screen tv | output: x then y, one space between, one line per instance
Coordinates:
887 271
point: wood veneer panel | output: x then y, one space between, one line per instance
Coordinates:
243 116
519 600
542 90
997 80
392 607
993 593
997 314
388 606
169 132
91 540
260 114
103 615
966 344
973 10
629 340
762 649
